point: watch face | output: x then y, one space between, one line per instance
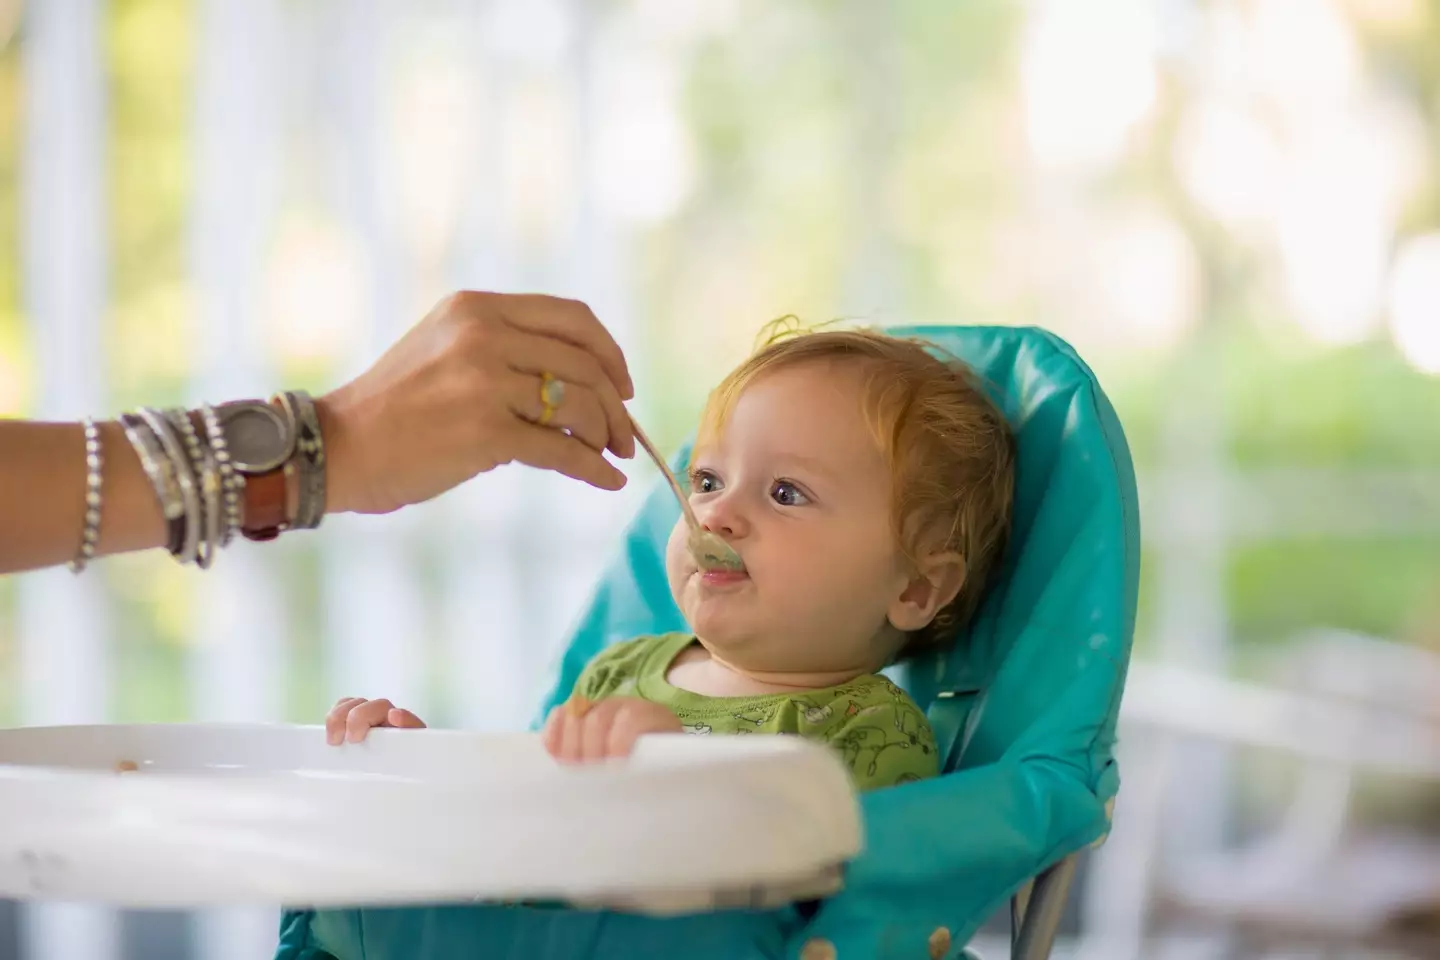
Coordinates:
257 435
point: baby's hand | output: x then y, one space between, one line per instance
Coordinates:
354 716
579 731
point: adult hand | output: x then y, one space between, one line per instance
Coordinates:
460 394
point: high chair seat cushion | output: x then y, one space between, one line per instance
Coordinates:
1024 704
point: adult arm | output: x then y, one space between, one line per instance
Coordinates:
459 394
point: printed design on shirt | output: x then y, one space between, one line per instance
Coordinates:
855 742
901 719
813 713
700 729
756 718
873 729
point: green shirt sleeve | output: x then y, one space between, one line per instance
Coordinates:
882 736
613 672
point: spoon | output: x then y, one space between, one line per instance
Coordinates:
709 549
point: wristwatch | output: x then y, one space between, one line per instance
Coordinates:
261 440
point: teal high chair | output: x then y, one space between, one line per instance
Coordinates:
1024 708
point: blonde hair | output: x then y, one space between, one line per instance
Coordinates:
951 452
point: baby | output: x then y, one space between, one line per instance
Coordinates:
866 486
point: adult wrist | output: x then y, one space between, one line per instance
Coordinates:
341 469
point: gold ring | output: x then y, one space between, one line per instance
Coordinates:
552 394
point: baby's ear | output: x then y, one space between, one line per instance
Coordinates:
934 585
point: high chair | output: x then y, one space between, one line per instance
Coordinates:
1023 705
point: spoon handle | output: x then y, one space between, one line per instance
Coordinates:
690 517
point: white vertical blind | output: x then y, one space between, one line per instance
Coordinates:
240 625
486 636
64 643
579 524
870 36
374 611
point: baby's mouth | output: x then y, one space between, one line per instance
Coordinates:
722 577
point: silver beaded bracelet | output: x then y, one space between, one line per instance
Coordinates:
94 477
202 465
230 481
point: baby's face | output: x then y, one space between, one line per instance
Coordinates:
796 483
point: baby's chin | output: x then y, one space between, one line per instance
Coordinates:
722 630
711 624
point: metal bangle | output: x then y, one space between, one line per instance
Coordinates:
94 477
231 482
309 458
161 471
164 430
203 465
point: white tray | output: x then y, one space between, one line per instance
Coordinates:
271 814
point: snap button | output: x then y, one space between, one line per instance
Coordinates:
818 949
939 943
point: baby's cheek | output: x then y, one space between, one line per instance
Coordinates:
676 559
840 593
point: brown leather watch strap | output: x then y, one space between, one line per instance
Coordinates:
265 502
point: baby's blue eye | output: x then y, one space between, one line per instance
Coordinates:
787 494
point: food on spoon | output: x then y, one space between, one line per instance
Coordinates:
127 766
711 552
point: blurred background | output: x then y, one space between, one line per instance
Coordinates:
1231 207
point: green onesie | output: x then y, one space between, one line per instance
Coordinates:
878 730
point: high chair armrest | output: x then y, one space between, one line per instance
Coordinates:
949 852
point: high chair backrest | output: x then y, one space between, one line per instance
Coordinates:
1055 629
1024 704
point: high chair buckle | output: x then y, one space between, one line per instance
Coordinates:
949 719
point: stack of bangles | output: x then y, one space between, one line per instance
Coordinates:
247 467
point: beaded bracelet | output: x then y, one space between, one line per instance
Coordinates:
208 477
230 481
94 475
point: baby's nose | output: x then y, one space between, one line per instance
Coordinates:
721 515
